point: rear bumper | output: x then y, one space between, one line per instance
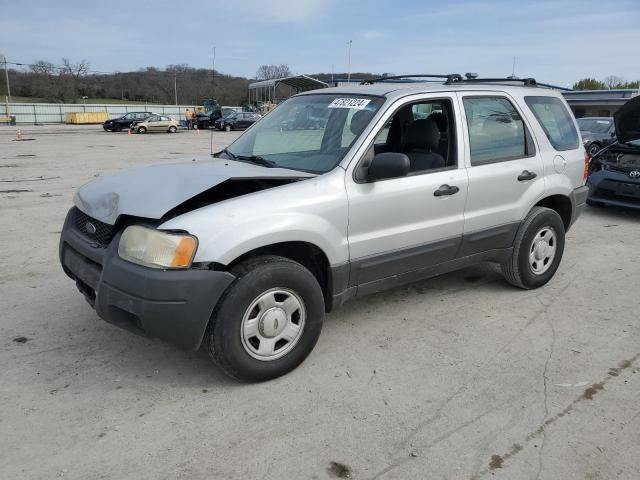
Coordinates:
172 305
578 202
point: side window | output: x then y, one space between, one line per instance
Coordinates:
496 130
141 116
130 116
424 131
556 122
154 118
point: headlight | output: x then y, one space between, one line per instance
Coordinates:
156 249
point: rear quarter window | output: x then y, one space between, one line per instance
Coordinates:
556 122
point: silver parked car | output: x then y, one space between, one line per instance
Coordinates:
245 252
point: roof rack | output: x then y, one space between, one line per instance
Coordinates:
450 78
526 82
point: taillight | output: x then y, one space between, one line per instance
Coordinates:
586 167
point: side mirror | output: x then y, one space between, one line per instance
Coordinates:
613 134
388 165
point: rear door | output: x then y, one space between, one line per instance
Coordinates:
505 170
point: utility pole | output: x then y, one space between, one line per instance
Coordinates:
213 73
349 61
6 76
175 85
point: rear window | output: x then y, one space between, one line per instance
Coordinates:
556 121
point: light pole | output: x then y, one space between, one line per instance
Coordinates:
349 61
6 76
175 85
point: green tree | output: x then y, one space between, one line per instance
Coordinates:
589 84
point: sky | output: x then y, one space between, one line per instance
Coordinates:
553 41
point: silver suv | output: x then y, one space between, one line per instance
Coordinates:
246 251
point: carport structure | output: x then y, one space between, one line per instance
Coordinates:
265 90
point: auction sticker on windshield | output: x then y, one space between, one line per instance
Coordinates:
356 103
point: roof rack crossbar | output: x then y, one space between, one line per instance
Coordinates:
449 77
527 82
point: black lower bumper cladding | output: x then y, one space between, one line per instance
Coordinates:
172 305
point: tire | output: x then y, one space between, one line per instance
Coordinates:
142 130
593 148
117 128
540 224
275 279
227 128
172 129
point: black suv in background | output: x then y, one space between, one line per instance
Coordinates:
237 120
124 122
597 133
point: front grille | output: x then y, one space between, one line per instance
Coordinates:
83 223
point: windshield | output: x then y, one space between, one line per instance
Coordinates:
311 133
594 125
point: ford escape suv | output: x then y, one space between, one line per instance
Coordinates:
244 252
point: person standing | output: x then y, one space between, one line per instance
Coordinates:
188 116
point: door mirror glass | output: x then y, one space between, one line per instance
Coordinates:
388 165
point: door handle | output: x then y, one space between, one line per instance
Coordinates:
446 190
526 175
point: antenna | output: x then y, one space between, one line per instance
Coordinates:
513 68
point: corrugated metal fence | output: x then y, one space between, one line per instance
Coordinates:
38 113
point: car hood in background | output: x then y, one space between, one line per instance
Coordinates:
154 190
627 121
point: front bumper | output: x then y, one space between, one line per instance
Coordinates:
172 305
614 188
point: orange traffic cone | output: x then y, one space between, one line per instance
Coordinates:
129 132
19 135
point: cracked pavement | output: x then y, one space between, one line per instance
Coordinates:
458 377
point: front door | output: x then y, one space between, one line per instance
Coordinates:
406 224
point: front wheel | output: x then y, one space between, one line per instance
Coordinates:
537 251
142 130
268 321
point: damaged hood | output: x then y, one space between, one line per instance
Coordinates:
627 121
152 191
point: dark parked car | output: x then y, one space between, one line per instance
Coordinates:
597 133
124 122
237 121
614 177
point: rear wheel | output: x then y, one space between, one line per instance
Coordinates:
537 251
268 321
142 130
173 129
227 128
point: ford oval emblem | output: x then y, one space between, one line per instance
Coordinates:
634 174
91 228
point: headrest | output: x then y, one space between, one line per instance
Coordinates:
422 134
440 119
360 120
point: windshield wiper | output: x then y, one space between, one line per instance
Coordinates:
226 152
258 160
